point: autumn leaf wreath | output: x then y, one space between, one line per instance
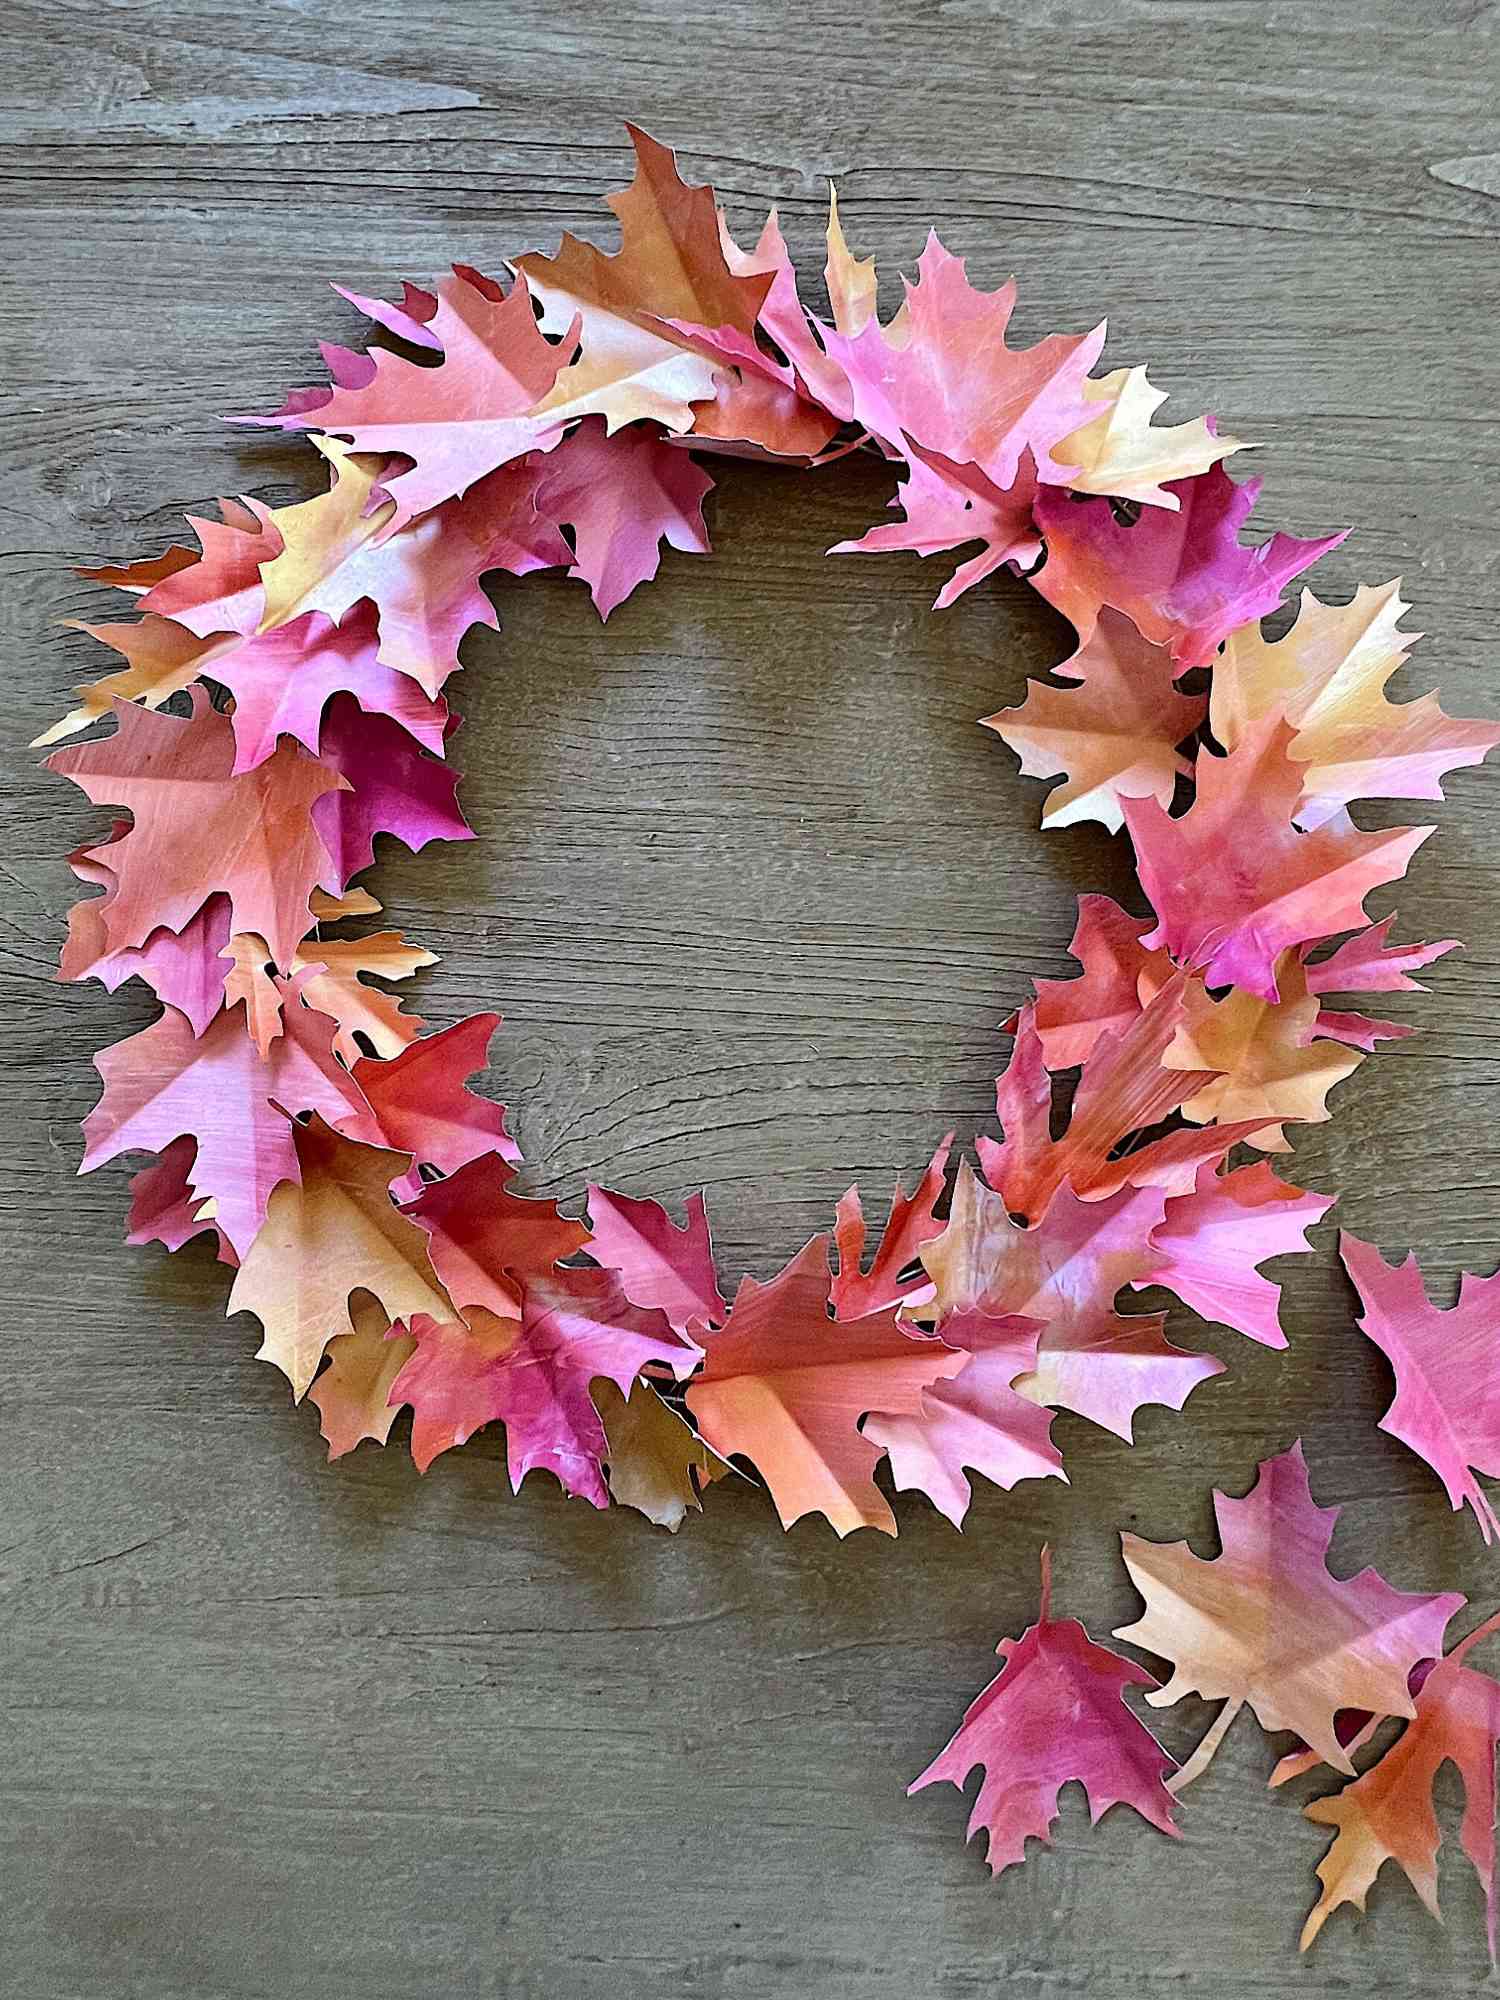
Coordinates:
360 1191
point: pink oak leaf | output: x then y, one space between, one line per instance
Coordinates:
221 591
623 496
533 1374
1054 1715
783 316
910 1224
197 828
1447 1367
461 419
1182 576
410 320
283 680
419 1101
166 1084
661 1263
1234 883
974 1422
1071 1014
1064 1273
953 385
1209 1245
390 786
946 504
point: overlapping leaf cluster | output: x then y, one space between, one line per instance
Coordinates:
282 704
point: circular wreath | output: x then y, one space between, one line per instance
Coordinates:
361 1190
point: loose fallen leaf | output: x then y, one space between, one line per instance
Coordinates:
1265 1623
1054 1715
1234 883
331 1233
1387 1813
1447 1368
1112 735
786 1385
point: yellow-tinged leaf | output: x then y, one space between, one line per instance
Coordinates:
353 1391
1328 677
335 1234
1271 1065
328 909
248 983
164 658
318 535
338 989
851 280
1120 453
657 1463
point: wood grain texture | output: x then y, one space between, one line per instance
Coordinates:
753 892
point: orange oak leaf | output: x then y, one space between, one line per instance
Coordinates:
1327 676
198 829
533 1373
248 984
166 1083
1387 1813
1054 1715
786 1385
1119 452
976 1422
1270 1060
670 271
487 1243
1266 1623
336 986
1113 735
353 1392
910 1224
1062 1275
333 1232
655 1461
1234 882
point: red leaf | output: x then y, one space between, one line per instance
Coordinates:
911 1223
422 1107
487 1242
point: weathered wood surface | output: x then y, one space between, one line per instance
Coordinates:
753 893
